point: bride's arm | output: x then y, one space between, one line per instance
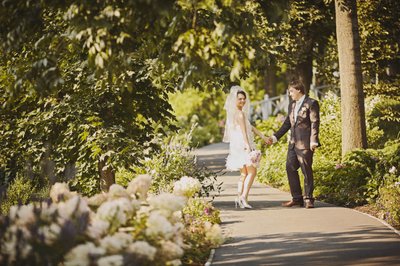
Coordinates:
261 135
242 123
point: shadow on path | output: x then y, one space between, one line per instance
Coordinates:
363 246
270 234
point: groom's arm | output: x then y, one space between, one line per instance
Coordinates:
314 118
282 131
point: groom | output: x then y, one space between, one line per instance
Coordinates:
303 122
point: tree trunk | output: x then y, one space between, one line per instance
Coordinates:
351 87
70 171
270 80
304 71
107 175
48 165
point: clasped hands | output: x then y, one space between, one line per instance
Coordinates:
270 141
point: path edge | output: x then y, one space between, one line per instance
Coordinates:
210 258
380 220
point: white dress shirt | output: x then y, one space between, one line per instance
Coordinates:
298 105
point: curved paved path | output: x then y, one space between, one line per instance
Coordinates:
272 235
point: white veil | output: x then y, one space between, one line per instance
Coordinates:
230 107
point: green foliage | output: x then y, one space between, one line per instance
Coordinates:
23 190
174 160
123 176
203 209
385 115
307 24
363 176
330 135
83 83
201 220
389 202
272 167
344 183
379 28
18 192
200 112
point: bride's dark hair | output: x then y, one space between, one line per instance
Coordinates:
243 93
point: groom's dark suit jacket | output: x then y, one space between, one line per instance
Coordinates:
305 130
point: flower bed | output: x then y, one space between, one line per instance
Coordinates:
121 227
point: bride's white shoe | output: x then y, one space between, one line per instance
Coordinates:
238 203
244 203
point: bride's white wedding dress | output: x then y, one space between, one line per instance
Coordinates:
238 157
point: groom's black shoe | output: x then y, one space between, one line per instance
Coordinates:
309 203
293 203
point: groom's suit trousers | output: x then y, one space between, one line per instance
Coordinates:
302 159
303 132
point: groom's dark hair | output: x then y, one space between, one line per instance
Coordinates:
298 85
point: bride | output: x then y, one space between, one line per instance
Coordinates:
239 133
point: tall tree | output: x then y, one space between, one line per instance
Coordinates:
86 82
351 84
307 25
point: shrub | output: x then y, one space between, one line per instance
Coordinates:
330 128
18 192
201 231
203 109
344 183
174 160
272 166
389 202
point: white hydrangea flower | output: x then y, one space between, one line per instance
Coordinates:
9 247
113 260
61 189
80 255
97 199
13 236
117 242
157 224
179 227
176 216
47 212
75 206
13 212
170 250
214 234
135 204
139 185
117 191
25 215
167 202
116 211
187 186
50 233
97 228
142 248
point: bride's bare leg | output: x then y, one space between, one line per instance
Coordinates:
248 182
243 174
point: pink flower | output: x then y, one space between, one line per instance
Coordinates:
339 166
